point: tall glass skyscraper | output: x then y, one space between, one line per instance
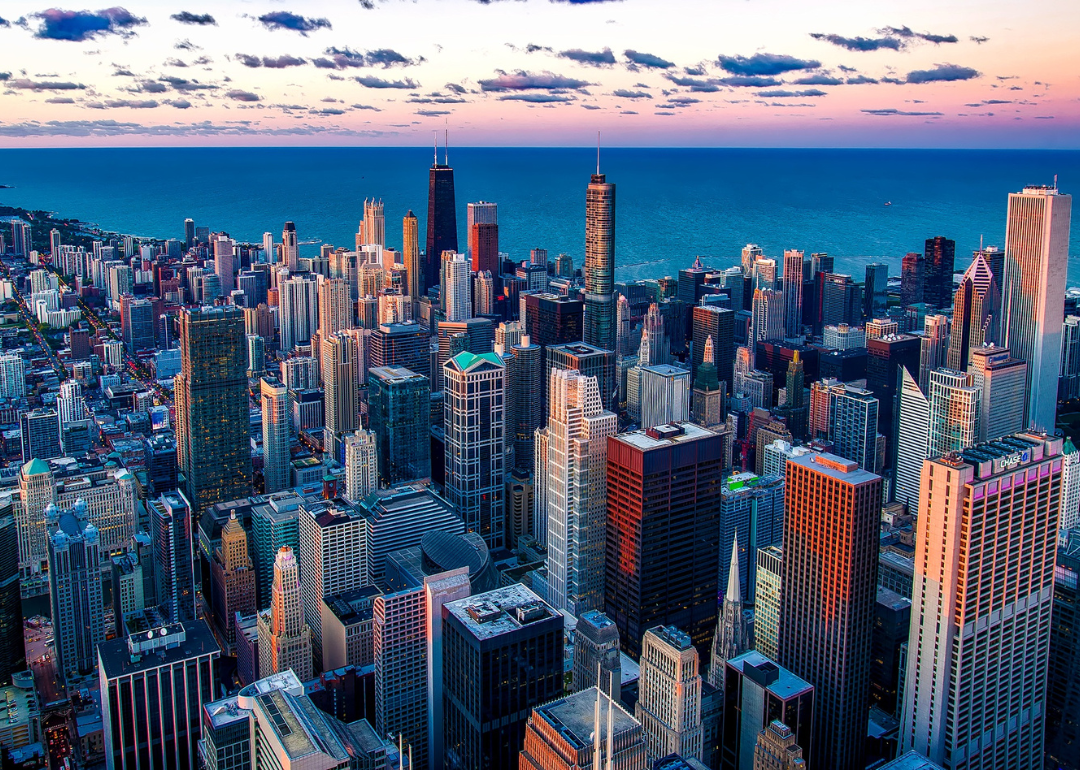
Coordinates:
441 219
600 263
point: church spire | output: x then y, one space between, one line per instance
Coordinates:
732 633
708 355
734 588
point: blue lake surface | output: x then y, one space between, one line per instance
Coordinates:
672 204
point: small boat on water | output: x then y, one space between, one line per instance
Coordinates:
888 203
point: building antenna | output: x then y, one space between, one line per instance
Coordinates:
1055 181
446 144
435 138
598 153
980 241
610 707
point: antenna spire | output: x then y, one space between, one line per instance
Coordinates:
1055 181
435 142
598 153
446 144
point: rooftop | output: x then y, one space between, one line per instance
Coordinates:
501 611
834 467
640 439
353 606
786 685
573 717
117 660
675 637
911 761
891 599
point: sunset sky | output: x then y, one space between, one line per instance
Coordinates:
979 73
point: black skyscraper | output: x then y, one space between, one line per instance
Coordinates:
441 219
938 258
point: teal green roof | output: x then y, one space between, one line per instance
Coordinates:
466 360
1068 447
35 467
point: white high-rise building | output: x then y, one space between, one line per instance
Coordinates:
458 288
933 348
335 306
1070 488
751 253
284 637
669 695
274 400
976 311
665 395
225 262
299 316
269 250
70 404
843 337
978 647
12 376
768 316
374 225
1003 380
1033 292
290 249
361 465
955 404
912 440
764 274
340 364
578 429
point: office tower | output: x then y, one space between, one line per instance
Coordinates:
40 435
732 637
143 677
795 408
665 395
600 262
587 359
171 527
841 300
483 227
1069 380
877 328
892 619
776 749
335 306
853 425
578 429
415 285
830 552
339 367
473 422
583 730
933 347
361 465
843 337
912 278
399 518
976 311
284 637
290 250
404 345
886 356
441 219
484 294
476 335
12 376
975 685
707 401
333 552
551 319
1036 262
374 223
399 406
751 508
233 580
523 408
767 600
690 279
400 651
36 493
875 290
189 233
938 258
274 399
75 597
212 406
224 261
596 654
768 320
912 440
718 323
70 404
136 323
502 655
757 386
669 694
750 254
270 252
299 316
564 266
520 501
348 628
764 275
758 694
660 543
538 257
1063 691
273 525
955 403
793 286
256 356
12 649
509 334
457 288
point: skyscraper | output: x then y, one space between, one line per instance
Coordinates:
718 323
597 662
374 223
441 219
768 316
339 367
587 359
600 262
665 395
933 347
12 647
578 430
361 465
939 256
955 405
524 411
415 278
853 425
284 637
399 407
290 250
39 435
299 305
912 278
1063 694
875 296
830 553
212 406
171 527
707 401
401 668
732 637
976 310
473 421
662 544
232 580
483 225
583 730
274 400
767 600
975 693
75 596
912 440
335 306
793 286
1033 292
669 694
886 356
457 288
751 513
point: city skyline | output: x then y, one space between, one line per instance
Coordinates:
541 73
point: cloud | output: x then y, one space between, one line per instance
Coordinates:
902 113
174 63
277 62
747 81
373 82
709 86
818 80
180 104
327 111
437 98
432 113
77 26
859 43
455 87
860 80
942 73
135 104
59 100
365 107
5 76
574 2
44 85
242 96
647 60
205 128
784 94
185 45
148 87
292 21
186 17
906 33
603 58
978 39
525 81
696 71
182 85
4 22
536 98
765 64
623 93
346 58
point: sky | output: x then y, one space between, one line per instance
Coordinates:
713 73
